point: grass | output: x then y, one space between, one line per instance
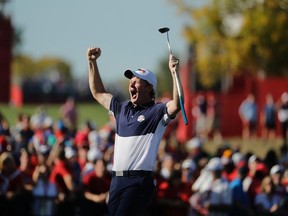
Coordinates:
86 111
257 146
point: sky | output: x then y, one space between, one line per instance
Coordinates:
126 31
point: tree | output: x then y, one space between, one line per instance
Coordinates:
24 66
236 36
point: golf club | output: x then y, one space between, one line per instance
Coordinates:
166 30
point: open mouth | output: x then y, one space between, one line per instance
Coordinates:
133 93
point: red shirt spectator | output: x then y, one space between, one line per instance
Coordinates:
61 176
59 172
172 196
95 189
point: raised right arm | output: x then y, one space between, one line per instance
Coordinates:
95 82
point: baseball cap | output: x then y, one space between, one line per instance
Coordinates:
70 152
94 154
195 142
189 164
252 159
144 74
214 164
237 157
275 169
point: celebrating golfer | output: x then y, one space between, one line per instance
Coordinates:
140 124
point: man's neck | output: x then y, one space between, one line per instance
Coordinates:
145 105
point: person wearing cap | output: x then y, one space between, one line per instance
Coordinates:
211 192
276 173
95 189
140 125
61 175
220 195
283 116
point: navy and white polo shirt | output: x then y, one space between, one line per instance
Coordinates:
139 131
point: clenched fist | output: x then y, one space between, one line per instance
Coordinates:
93 53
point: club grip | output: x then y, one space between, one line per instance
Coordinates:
180 98
183 111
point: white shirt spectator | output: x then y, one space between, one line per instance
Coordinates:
220 194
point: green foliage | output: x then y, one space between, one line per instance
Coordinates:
231 36
25 66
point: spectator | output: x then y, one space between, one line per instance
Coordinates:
268 118
39 117
42 155
255 186
172 196
283 116
4 184
95 190
196 151
45 193
220 195
22 132
267 201
284 204
4 126
248 112
15 202
188 169
167 166
240 204
69 115
61 132
72 157
199 111
82 155
230 170
204 199
276 173
62 177
253 161
93 155
4 144
213 118
27 168
82 135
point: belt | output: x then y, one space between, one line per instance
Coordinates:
127 173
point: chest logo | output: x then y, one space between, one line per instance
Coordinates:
141 118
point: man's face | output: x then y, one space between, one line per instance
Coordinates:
140 91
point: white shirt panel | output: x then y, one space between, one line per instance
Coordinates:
137 152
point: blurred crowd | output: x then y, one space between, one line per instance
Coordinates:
257 119
272 112
50 167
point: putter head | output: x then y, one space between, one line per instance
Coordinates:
163 30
